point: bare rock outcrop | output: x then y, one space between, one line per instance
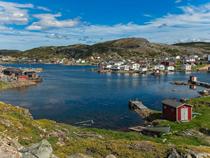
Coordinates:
42 149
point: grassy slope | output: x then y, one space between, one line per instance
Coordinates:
16 123
66 139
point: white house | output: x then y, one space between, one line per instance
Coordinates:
178 57
135 66
170 68
186 67
115 68
190 59
119 63
109 66
125 67
159 67
83 61
143 69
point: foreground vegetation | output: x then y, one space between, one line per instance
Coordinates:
17 122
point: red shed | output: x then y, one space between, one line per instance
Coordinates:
176 111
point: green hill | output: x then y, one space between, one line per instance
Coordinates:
128 48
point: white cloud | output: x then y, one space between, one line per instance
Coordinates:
147 15
14 13
191 16
43 8
47 21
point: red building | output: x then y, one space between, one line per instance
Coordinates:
176 111
167 63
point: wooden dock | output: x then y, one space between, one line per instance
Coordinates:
194 80
202 84
140 108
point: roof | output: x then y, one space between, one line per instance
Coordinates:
173 103
13 69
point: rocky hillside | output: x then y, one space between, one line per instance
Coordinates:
204 46
127 48
23 137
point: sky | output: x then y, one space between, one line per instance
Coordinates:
26 24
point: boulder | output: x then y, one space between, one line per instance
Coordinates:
42 149
174 154
9 148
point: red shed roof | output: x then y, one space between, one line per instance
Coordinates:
173 103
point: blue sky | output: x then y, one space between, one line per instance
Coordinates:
33 23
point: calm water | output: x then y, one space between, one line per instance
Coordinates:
73 93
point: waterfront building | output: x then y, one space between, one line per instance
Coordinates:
176 111
170 68
208 58
186 67
135 67
115 68
167 63
159 67
125 67
143 69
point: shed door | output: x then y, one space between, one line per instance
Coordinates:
184 114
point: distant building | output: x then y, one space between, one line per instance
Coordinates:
143 69
12 72
193 79
108 67
115 68
159 67
176 111
83 61
186 67
190 59
178 57
125 67
118 63
208 58
167 63
170 68
135 67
